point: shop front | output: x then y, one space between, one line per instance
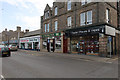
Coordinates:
30 43
98 40
10 42
52 42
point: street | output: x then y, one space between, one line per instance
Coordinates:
28 64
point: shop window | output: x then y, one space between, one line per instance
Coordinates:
69 23
56 25
29 45
56 11
69 5
44 44
58 43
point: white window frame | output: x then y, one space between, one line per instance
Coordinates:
45 27
107 15
56 11
56 25
82 2
82 19
69 3
89 17
69 21
48 27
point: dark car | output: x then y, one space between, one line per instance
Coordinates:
4 51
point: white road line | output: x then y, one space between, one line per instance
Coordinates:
2 77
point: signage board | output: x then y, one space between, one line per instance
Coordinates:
110 31
88 31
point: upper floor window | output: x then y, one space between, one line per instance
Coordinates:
56 25
83 2
48 27
86 18
45 27
89 17
107 15
56 10
47 14
82 19
69 5
69 23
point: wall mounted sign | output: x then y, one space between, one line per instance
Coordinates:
88 31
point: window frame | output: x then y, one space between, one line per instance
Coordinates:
84 15
69 5
89 21
56 11
107 15
45 28
69 21
56 25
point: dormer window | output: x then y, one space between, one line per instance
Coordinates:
47 14
69 5
56 11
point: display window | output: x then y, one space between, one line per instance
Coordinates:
29 45
58 42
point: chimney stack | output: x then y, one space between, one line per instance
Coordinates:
18 29
27 30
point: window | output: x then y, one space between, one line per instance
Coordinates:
56 9
69 21
45 27
107 15
89 17
47 14
56 25
48 27
69 5
86 18
82 19
83 2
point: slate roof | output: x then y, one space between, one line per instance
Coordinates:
33 33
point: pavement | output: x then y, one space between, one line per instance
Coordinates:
114 59
33 64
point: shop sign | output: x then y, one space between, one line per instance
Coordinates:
110 31
51 35
88 31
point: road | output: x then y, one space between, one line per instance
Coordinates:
41 65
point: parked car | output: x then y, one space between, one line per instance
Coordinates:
13 47
4 51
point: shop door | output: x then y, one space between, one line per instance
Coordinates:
65 45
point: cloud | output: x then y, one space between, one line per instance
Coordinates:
31 23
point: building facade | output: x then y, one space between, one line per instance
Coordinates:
12 37
30 41
80 27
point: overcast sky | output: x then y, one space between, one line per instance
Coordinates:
24 13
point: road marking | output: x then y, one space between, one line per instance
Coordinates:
2 77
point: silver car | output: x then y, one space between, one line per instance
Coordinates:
13 47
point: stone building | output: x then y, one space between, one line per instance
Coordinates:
30 40
12 37
89 28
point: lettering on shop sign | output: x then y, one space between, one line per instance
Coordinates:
89 31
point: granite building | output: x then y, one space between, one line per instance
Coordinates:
12 37
88 28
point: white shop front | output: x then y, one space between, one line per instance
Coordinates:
30 43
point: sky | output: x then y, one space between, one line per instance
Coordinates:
23 13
